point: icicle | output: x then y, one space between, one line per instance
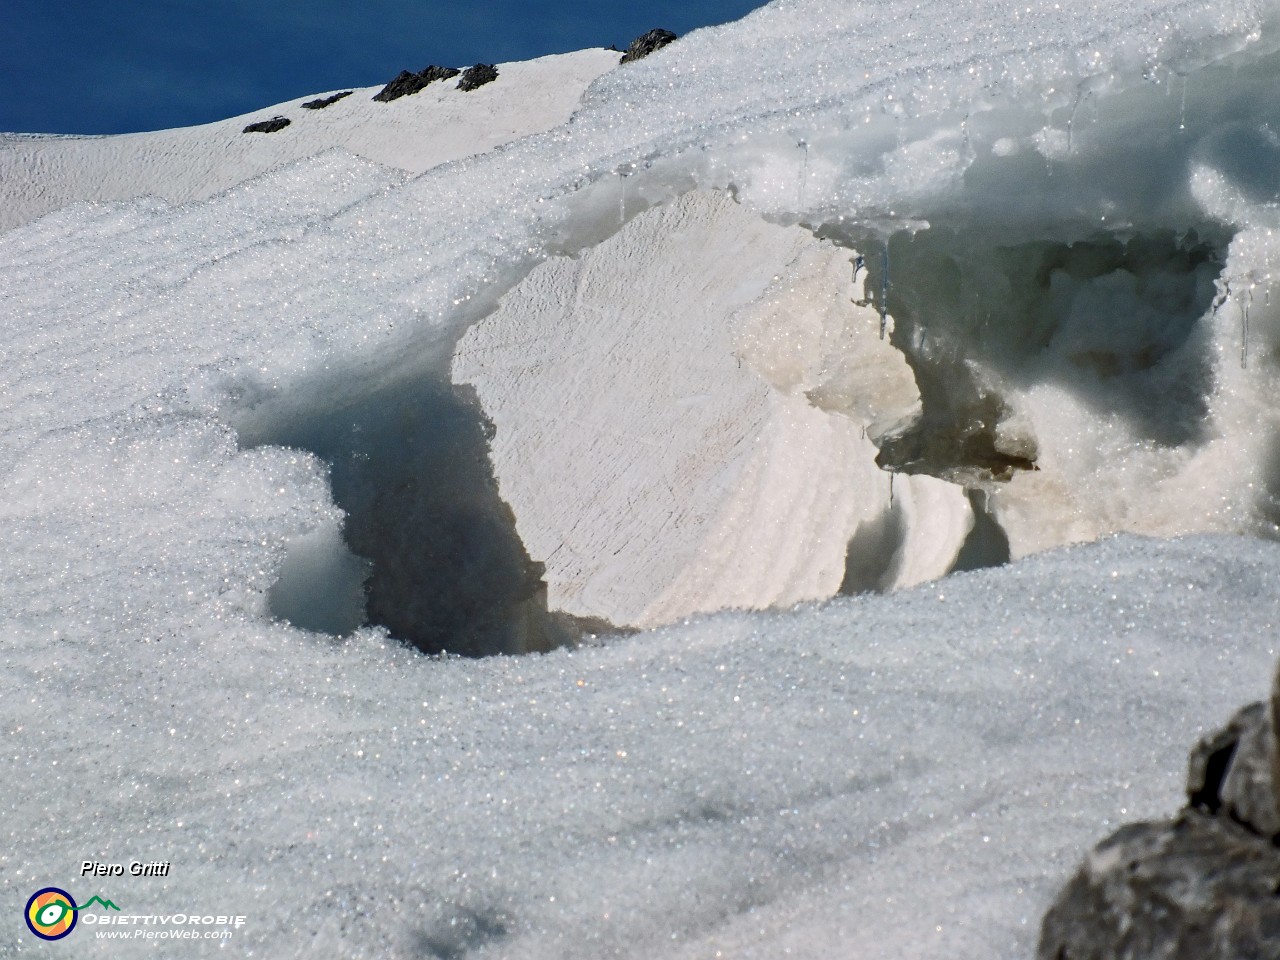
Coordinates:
1182 113
884 289
622 199
1071 122
804 175
1244 329
891 488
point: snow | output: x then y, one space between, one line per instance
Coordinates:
414 133
654 432
901 776
745 783
229 404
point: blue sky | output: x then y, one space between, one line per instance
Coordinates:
92 66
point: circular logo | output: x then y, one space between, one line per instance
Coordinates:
51 913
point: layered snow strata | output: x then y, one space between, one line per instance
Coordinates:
684 421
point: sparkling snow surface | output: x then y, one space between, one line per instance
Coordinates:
1067 218
902 776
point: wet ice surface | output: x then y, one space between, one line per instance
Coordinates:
903 776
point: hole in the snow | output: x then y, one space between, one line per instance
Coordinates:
1112 318
1269 494
872 558
460 932
435 545
321 584
987 544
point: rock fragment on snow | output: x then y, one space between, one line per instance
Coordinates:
268 126
321 102
477 76
432 73
403 84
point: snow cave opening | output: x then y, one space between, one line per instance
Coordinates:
431 550
1113 317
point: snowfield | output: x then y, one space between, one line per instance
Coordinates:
823 304
43 173
896 776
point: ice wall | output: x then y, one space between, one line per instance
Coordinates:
656 429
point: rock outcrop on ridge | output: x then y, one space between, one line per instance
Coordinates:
321 102
273 125
647 43
1204 885
406 83
477 76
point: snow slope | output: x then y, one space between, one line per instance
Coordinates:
227 419
414 133
905 776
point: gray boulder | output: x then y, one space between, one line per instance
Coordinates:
1202 886
1230 772
1198 887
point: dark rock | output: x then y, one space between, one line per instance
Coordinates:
404 84
1230 772
646 43
1275 736
323 102
433 73
1196 888
268 126
1203 886
478 76
407 83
